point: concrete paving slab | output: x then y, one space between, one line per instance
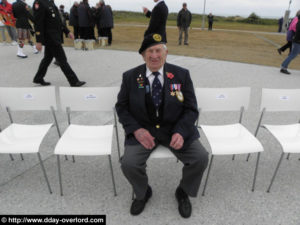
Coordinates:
87 183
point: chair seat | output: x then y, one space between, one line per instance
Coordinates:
231 139
85 140
287 135
161 152
21 138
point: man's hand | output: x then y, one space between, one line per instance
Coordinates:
39 46
70 35
145 10
177 141
145 138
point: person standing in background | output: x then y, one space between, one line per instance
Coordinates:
158 19
74 19
184 20
6 11
105 21
210 21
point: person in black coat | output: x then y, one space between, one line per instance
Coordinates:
21 13
48 30
105 21
210 21
74 19
85 22
157 106
158 19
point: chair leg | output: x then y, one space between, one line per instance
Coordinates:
73 158
118 144
233 156
248 157
209 167
21 155
44 171
11 157
66 157
132 198
272 180
59 176
255 172
288 156
112 175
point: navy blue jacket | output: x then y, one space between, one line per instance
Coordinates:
177 117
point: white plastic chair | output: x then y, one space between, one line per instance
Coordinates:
86 139
288 136
228 139
23 138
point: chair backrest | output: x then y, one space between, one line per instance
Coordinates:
88 98
280 99
223 99
24 98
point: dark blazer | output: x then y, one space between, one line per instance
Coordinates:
158 20
74 16
184 18
104 17
177 117
47 23
22 15
84 15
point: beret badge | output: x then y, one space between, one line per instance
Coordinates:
157 37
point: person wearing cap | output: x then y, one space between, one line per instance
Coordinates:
158 19
48 31
157 106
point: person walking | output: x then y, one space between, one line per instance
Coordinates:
158 19
21 13
48 29
295 50
184 20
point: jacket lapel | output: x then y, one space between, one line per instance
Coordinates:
141 92
166 88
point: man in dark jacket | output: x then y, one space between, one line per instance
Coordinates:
210 21
74 19
48 30
158 19
157 106
295 50
86 29
184 20
105 21
21 13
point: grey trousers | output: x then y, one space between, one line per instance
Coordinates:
184 30
2 29
11 32
194 158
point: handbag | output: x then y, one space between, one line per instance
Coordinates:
289 35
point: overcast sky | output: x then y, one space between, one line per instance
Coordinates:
263 8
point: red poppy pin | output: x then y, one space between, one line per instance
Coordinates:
170 75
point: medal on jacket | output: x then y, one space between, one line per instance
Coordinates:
53 15
179 94
172 87
140 81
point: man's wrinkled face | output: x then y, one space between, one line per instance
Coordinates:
155 57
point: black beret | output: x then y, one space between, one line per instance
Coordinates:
150 40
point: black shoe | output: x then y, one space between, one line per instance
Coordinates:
184 204
78 84
285 71
138 206
42 82
279 51
186 43
179 43
22 56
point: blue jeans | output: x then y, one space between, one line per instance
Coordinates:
295 51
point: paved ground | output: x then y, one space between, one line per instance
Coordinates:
87 183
